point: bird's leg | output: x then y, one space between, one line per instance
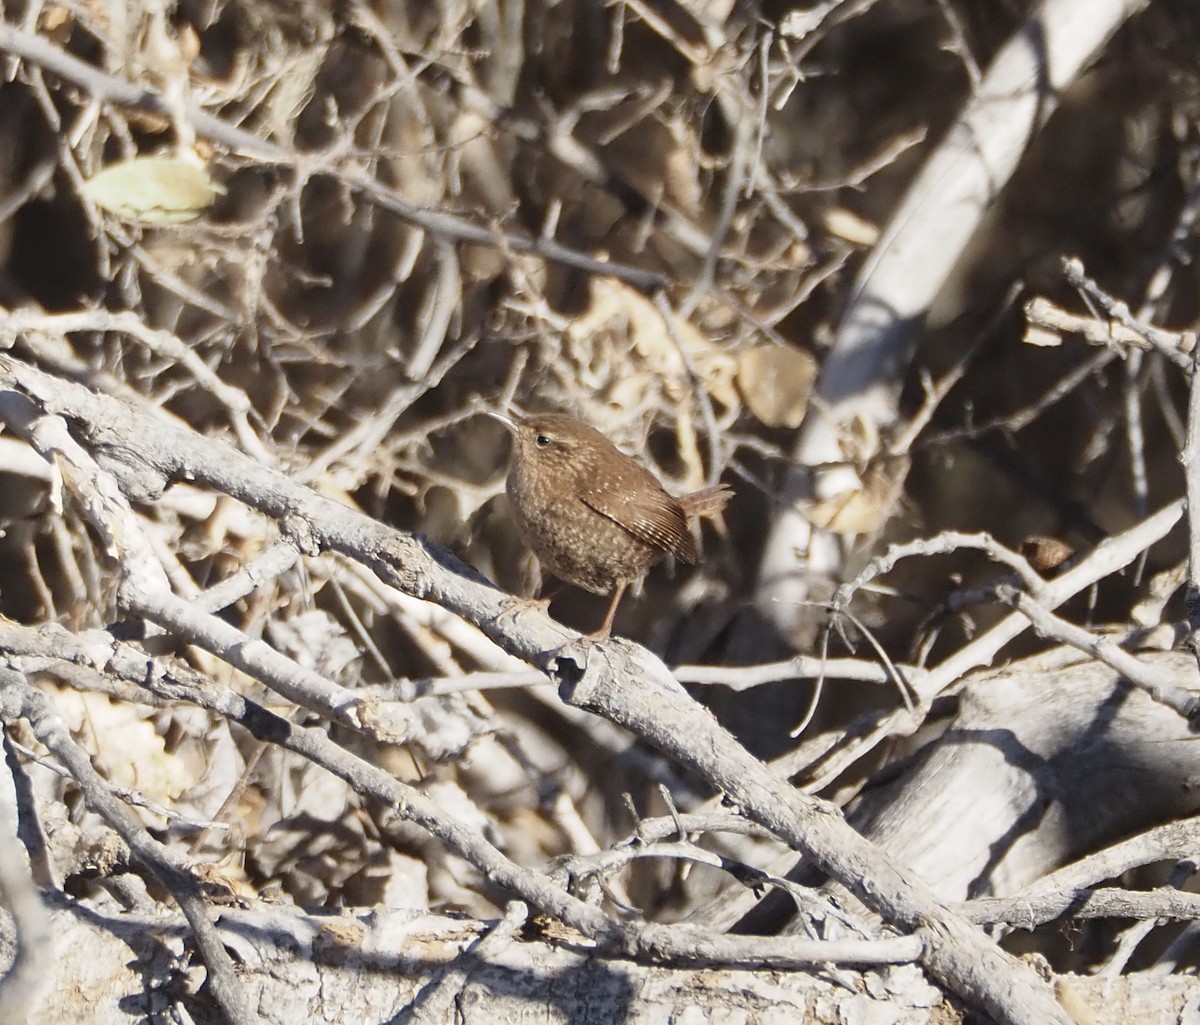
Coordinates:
606 626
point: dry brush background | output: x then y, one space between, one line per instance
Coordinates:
916 277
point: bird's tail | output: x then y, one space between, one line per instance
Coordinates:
707 502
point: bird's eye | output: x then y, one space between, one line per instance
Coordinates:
542 440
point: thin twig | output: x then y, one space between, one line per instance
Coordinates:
1047 624
1169 343
1024 912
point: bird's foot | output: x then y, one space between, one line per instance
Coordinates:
515 607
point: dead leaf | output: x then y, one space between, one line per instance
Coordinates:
1046 554
866 510
775 382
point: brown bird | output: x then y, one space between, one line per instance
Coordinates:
592 515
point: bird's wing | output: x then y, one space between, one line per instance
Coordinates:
649 514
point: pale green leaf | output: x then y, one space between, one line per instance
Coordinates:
153 190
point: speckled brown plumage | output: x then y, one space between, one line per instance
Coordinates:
591 514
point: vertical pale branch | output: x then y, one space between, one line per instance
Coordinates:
1190 457
918 252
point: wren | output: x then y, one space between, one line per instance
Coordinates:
594 516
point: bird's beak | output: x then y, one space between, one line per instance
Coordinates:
508 421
